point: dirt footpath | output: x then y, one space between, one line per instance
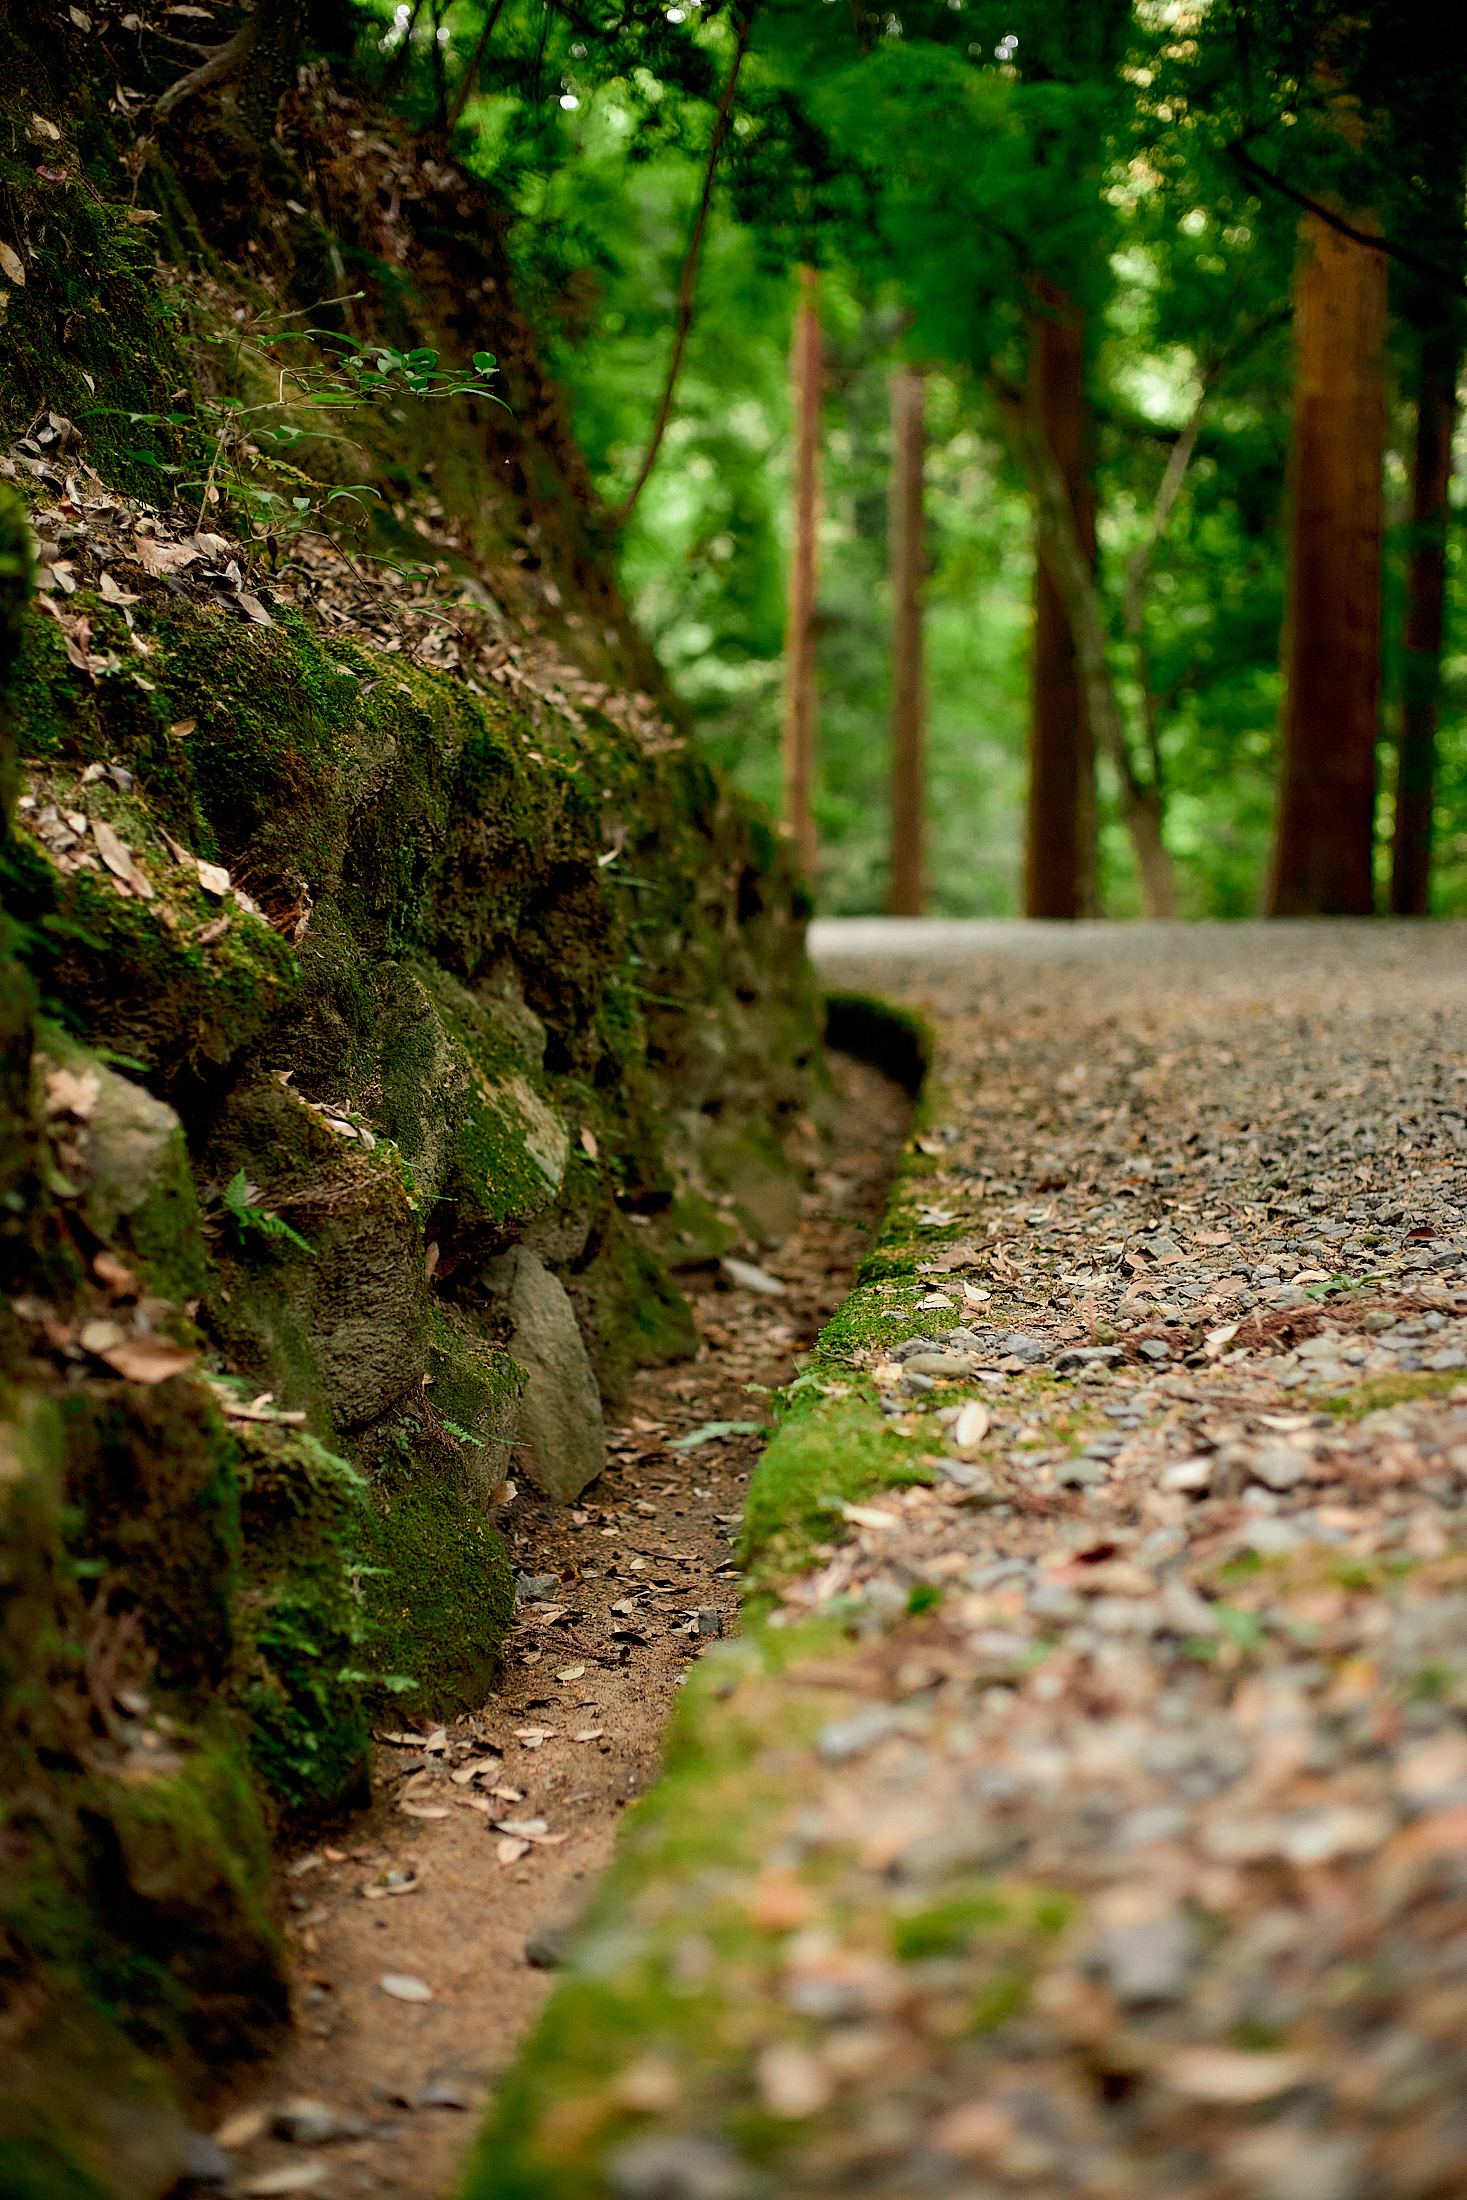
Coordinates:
384 2089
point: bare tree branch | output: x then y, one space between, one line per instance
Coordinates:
1428 270
465 91
687 281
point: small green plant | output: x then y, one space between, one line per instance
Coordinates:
464 1435
238 1197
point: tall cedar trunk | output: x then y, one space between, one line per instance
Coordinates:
800 705
1421 663
1324 835
908 897
1059 857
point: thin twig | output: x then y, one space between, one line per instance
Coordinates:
465 91
687 281
1418 264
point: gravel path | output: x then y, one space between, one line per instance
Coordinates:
1197 1677
1132 1856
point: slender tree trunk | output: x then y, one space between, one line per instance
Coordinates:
800 700
1323 857
908 896
1059 859
1071 569
1421 665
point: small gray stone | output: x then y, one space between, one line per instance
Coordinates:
310 2123
938 1363
917 1386
560 1412
1278 1466
851 1737
678 2166
1150 1962
710 1620
1087 1355
535 1588
1154 1348
1441 1362
205 2162
1080 1474
1019 1345
909 1346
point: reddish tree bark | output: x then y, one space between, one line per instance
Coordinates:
1421 664
1059 856
1323 857
800 720
908 893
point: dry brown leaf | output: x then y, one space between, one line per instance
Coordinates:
73 1092
12 265
140 1359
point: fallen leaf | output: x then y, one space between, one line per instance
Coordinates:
751 1278
296 2176
115 1276
589 1734
111 593
181 728
100 1336
424 1810
869 1516
12 264
381 1893
510 1852
1232 2074
40 127
971 1426
157 558
403 1988
242 2128
713 1432
253 609
588 1143
571 1673
213 877
142 1359
80 17
73 1092
207 934
137 215
119 859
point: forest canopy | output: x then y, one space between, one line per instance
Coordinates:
1102 235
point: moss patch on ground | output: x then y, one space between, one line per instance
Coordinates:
678 1999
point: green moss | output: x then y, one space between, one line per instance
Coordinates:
828 1451
739 1769
1381 1391
441 1597
306 1662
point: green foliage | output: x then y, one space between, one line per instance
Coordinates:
258 1221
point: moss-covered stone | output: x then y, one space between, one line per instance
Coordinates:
441 1593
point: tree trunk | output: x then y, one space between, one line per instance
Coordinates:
1071 569
800 704
908 895
1323 859
1059 857
1421 662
